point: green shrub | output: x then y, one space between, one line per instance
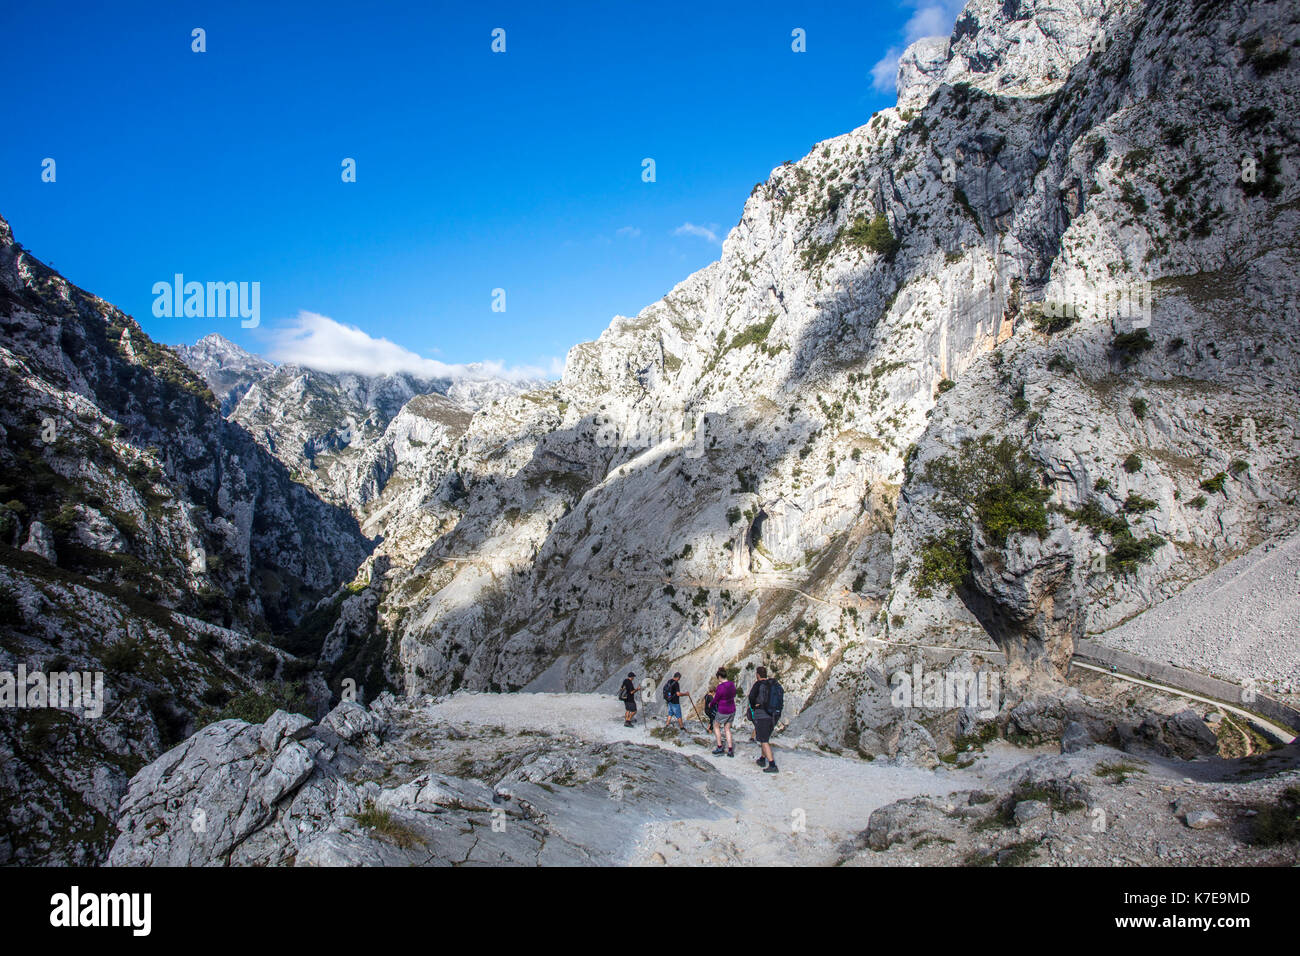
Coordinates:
1267 181
755 334
1130 196
874 235
1198 502
1215 484
994 484
1128 346
1136 504
124 656
1133 463
1094 516
945 564
1049 323
1118 772
1238 466
945 385
63 522
1139 406
815 254
1128 551
255 706
1265 61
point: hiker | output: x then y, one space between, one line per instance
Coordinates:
724 699
710 709
627 694
766 700
673 695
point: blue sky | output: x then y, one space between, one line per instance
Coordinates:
475 170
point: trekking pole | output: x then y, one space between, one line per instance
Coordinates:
695 709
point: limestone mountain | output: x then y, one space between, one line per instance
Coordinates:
142 535
229 370
347 435
1001 367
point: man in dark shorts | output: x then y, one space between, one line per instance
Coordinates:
627 694
764 721
673 695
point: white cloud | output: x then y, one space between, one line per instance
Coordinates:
631 232
930 18
884 75
708 233
317 341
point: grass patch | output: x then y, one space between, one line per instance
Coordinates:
386 827
1279 822
1117 772
1014 854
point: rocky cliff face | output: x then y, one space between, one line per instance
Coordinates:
347 436
142 536
1002 366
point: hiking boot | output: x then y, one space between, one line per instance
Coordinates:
761 761
770 768
731 753
719 751
627 723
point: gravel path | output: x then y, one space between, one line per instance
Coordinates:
1239 623
802 815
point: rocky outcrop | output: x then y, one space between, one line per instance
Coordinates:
292 792
1027 598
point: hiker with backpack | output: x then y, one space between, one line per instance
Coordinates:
724 699
766 700
673 695
627 694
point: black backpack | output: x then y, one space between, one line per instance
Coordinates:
622 691
775 699
668 691
710 706
771 698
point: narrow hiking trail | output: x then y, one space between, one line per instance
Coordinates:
803 815
1280 732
